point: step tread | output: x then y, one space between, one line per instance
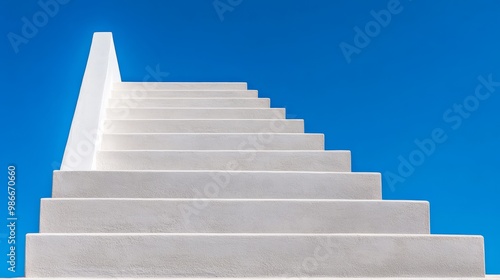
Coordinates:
189 102
225 160
320 200
181 85
204 126
192 98
234 216
202 234
127 93
254 255
269 278
235 184
195 113
489 277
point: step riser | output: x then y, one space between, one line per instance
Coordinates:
253 256
151 114
178 86
232 216
308 278
213 141
184 94
265 185
190 103
203 126
327 161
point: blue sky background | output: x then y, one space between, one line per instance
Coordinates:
396 88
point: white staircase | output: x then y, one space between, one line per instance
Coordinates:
204 180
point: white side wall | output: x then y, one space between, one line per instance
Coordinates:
85 133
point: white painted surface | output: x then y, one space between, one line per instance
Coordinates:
190 102
327 161
212 141
227 184
152 86
100 74
253 255
204 126
184 93
193 113
281 278
233 216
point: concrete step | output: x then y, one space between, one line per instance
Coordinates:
487 277
204 126
216 184
232 216
193 113
189 102
327 161
179 86
253 255
212 141
184 94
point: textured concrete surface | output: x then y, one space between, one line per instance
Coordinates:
253 255
332 161
190 102
227 184
193 113
203 126
147 86
233 216
281 278
184 93
212 141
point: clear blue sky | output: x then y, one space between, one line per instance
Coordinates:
413 77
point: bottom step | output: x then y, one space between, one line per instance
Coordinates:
276 278
253 255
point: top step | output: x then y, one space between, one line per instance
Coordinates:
178 86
